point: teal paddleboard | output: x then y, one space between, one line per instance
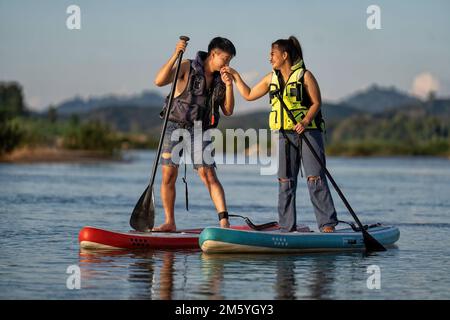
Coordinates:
220 240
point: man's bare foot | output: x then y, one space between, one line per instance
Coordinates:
166 227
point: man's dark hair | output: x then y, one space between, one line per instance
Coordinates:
222 44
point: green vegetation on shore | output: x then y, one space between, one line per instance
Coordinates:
409 131
383 148
18 128
417 128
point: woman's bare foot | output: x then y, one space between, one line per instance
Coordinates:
328 229
166 227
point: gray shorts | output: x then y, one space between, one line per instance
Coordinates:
188 145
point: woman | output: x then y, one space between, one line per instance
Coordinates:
300 93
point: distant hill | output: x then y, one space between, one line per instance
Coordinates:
376 99
78 105
127 118
437 108
336 111
377 121
260 119
140 113
130 118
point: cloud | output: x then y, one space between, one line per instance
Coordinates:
424 83
35 103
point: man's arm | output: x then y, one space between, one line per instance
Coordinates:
167 72
228 106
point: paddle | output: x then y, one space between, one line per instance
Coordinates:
370 242
253 226
257 227
143 216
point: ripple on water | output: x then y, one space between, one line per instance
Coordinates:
43 207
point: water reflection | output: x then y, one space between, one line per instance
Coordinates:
322 276
285 285
189 274
291 277
140 273
151 274
166 276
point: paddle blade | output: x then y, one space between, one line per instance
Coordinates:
371 243
143 216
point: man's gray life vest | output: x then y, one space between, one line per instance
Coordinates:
196 103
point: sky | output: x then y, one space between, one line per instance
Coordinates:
122 44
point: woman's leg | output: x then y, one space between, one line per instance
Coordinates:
319 191
289 163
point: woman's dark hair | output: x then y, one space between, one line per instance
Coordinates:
222 44
292 47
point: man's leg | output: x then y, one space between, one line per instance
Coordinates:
168 194
169 162
209 178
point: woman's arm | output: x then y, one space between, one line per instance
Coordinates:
312 88
254 93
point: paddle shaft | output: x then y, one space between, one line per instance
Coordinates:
370 242
166 119
338 190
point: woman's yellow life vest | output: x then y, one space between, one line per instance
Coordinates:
295 98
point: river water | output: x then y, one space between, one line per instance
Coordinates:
43 207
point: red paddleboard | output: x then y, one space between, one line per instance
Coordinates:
101 239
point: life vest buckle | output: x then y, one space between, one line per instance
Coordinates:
273 91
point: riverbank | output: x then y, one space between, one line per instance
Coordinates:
54 154
439 148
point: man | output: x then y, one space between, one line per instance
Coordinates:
201 88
